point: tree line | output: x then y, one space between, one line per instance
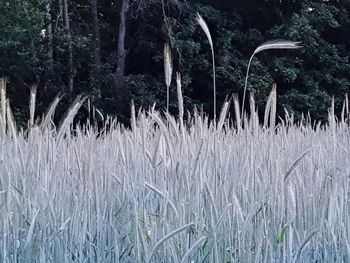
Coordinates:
112 51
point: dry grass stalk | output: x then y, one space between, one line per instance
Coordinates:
3 101
32 102
167 237
273 106
237 110
300 250
252 103
133 116
345 110
168 71
275 44
331 114
270 108
50 113
223 115
179 95
206 30
71 113
11 121
253 115
347 104
192 248
181 102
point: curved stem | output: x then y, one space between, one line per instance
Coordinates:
246 83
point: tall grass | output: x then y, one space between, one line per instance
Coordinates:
148 194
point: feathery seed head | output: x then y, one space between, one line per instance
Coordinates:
278 44
205 28
168 67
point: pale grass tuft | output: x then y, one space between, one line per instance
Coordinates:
168 71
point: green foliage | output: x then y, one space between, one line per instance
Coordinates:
307 79
20 38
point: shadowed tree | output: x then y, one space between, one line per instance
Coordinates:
70 48
48 33
96 32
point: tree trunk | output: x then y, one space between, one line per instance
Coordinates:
121 43
70 49
49 37
96 32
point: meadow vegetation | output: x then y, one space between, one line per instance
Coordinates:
183 188
175 190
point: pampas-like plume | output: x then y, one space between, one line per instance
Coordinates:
168 71
205 28
275 44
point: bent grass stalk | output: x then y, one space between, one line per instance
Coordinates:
206 30
275 44
167 237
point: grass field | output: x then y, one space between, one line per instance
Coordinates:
167 192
